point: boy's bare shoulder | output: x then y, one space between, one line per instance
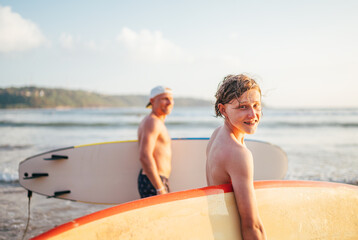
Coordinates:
243 150
240 161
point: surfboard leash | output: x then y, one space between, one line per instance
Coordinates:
29 195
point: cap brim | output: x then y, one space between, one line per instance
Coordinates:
148 105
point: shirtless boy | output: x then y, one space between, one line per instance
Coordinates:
155 145
238 101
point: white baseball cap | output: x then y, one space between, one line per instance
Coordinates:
157 91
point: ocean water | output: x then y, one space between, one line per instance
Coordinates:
321 144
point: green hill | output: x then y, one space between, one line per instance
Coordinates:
37 97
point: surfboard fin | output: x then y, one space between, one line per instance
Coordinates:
59 193
35 175
56 157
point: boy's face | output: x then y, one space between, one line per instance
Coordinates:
244 113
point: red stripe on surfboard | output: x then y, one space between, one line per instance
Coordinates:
179 196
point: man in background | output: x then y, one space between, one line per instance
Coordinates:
155 145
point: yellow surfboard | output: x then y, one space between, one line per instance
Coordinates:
289 210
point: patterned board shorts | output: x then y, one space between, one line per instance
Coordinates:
145 187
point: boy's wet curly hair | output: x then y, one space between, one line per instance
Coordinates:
233 86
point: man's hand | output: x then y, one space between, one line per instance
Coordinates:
161 191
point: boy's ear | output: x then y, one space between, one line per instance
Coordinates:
222 109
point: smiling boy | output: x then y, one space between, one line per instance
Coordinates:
238 101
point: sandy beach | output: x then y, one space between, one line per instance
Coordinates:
45 213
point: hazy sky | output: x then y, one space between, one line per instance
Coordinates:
304 53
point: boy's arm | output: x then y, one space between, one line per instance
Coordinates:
239 166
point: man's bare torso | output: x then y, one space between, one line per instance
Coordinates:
162 147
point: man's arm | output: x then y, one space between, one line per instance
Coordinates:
239 166
147 143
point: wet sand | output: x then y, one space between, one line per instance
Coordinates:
45 213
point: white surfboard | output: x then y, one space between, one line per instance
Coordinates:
288 210
107 173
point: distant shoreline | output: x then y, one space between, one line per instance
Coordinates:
56 98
